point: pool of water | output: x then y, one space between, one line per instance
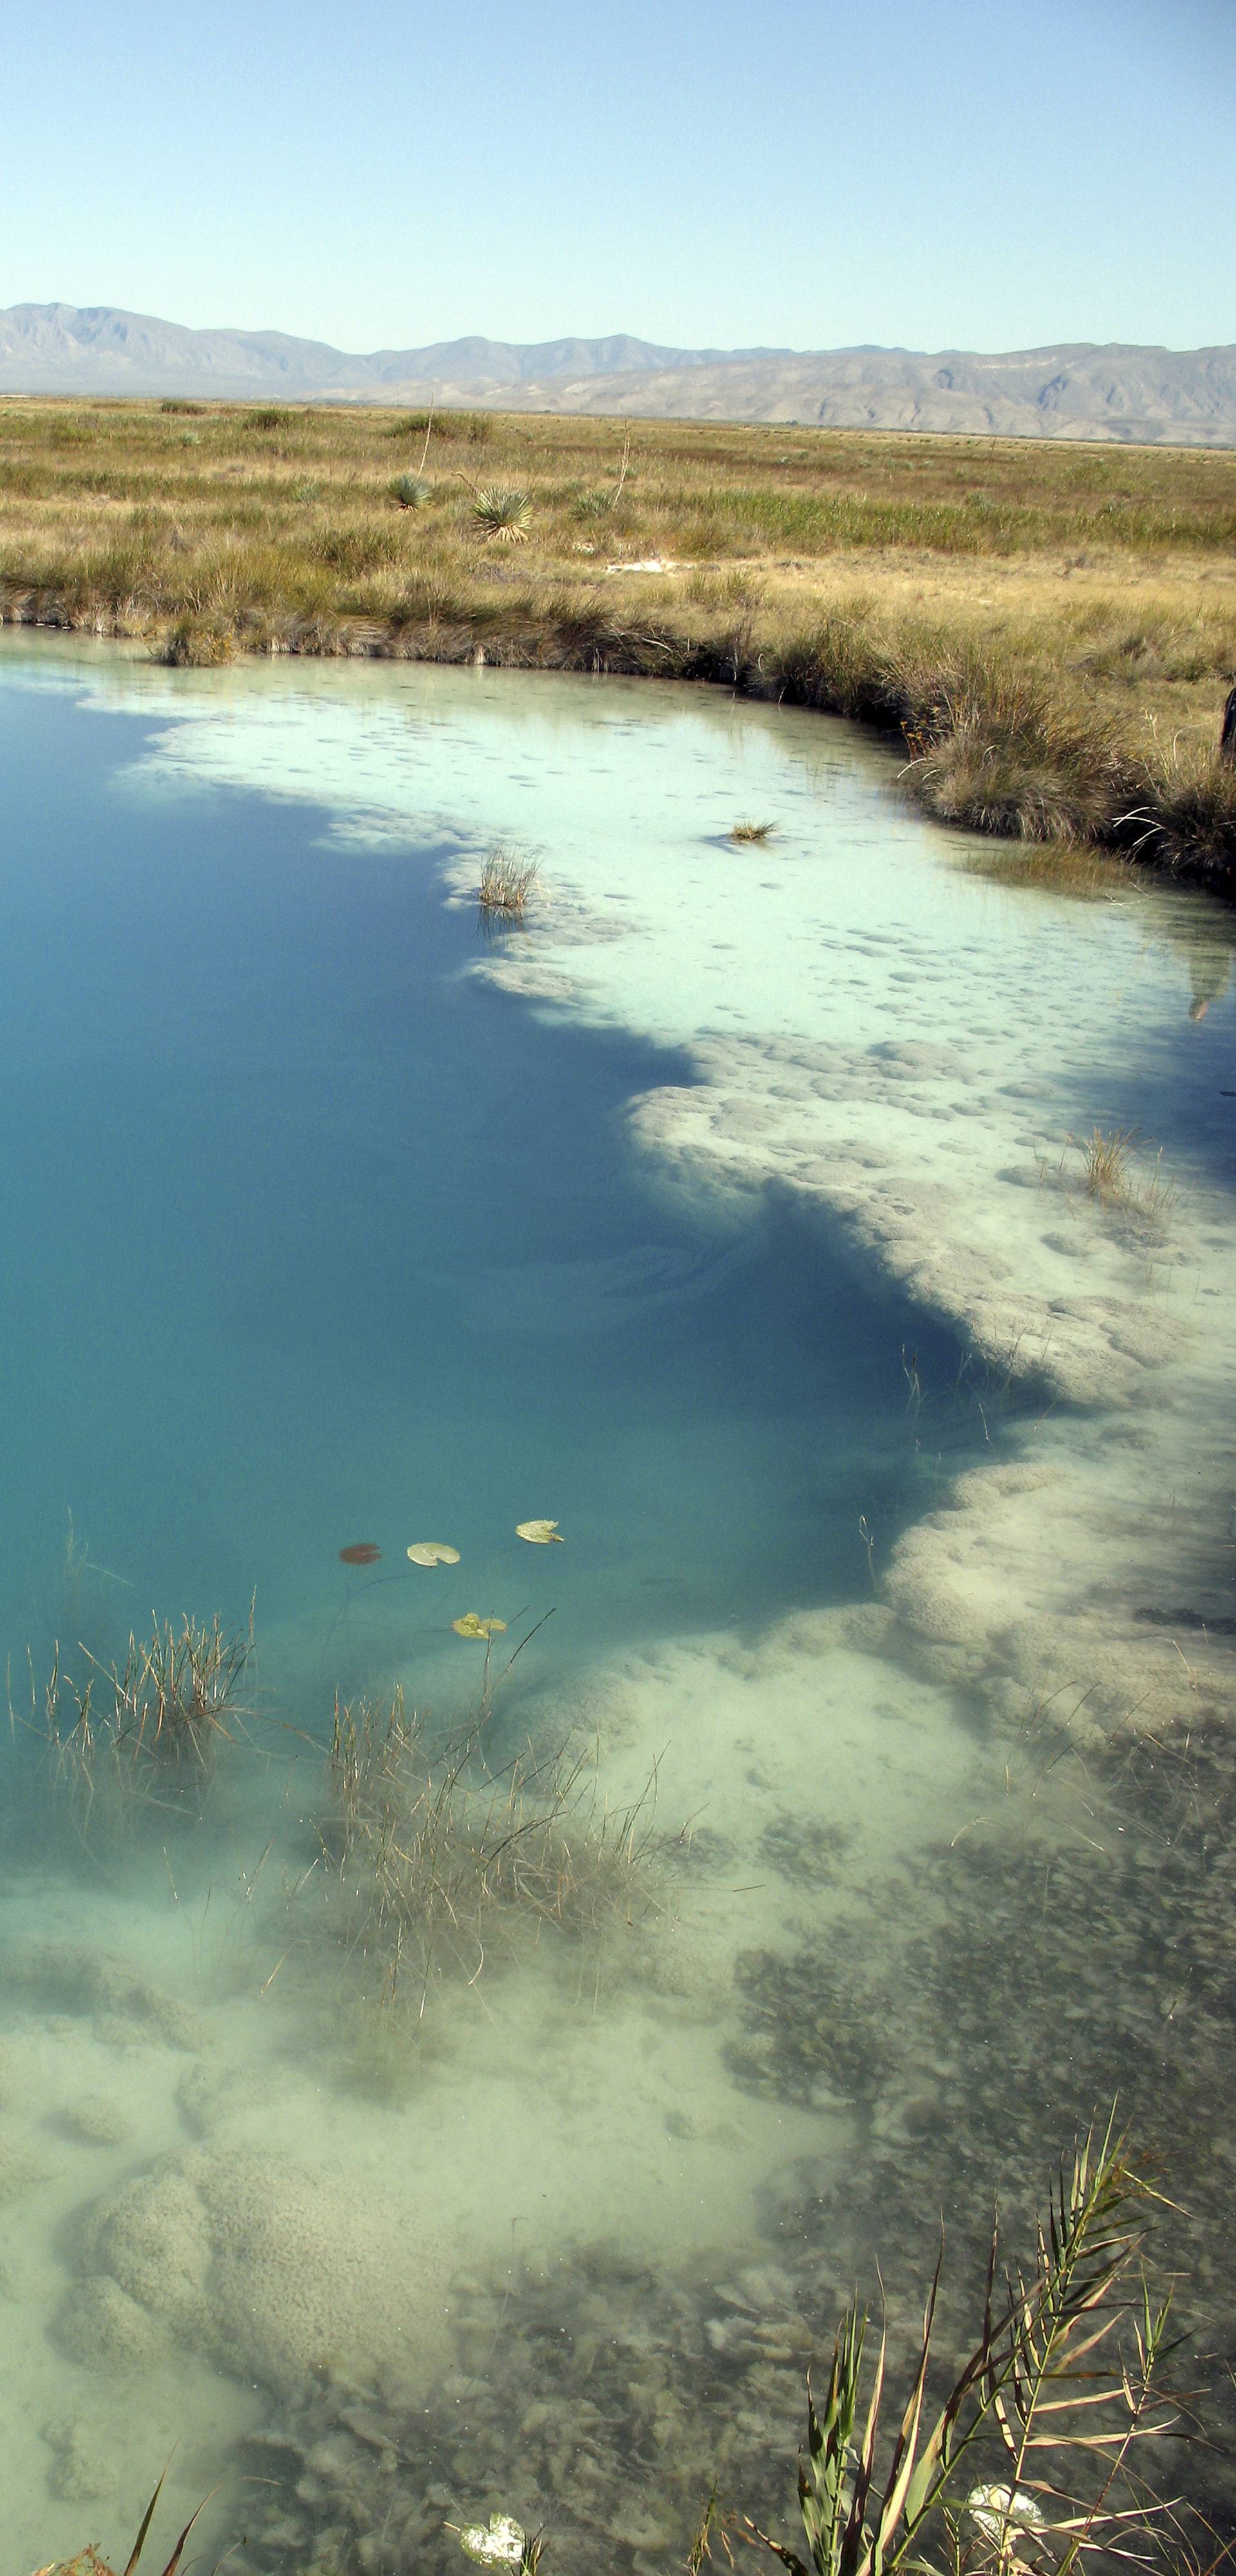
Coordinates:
315 1239
732 1216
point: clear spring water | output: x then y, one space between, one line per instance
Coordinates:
313 1239
313 1236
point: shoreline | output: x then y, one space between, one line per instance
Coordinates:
1146 839
1048 634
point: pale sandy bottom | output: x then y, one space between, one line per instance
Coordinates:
260 2197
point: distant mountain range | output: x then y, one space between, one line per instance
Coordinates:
1165 396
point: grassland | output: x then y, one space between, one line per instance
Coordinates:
1051 627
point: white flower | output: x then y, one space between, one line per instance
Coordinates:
501 2546
1000 2511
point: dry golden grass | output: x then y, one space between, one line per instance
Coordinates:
1110 1174
1052 626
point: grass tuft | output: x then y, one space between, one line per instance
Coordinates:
443 1868
199 644
1109 1175
151 1726
507 882
1187 822
751 832
994 753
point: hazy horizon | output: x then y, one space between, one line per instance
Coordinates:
786 177
462 335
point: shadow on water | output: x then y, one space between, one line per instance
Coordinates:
1177 1087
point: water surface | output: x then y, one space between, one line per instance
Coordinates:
715 1217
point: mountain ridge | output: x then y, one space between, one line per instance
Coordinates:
1079 389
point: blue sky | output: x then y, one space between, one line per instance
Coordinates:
807 173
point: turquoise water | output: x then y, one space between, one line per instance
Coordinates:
733 1216
312 1239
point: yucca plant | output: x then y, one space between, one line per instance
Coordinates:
1059 2390
89 2563
503 514
411 491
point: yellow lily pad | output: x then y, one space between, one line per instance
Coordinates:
540 1533
472 1626
431 1551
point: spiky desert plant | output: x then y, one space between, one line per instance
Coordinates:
499 512
411 491
1062 2385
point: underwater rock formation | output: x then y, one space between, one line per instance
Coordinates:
271 2270
596 2399
20 2167
101 2325
74 1977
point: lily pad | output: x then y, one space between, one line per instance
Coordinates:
472 1626
502 2545
540 1533
432 1551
